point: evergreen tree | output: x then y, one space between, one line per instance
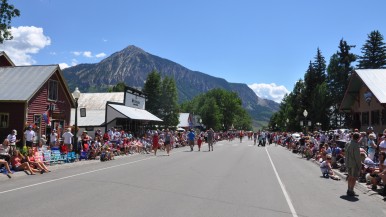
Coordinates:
314 77
320 67
152 89
373 52
338 73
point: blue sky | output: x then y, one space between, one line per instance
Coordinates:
265 44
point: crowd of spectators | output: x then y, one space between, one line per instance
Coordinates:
328 149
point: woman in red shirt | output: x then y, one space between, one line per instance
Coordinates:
155 143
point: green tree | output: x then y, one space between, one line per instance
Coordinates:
219 109
7 13
338 73
152 89
314 77
169 111
120 87
210 113
373 52
319 66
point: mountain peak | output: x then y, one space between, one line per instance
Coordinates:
132 65
133 49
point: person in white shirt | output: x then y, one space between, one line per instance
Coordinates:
67 139
382 144
13 140
29 136
54 139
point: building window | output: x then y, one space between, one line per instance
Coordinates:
375 117
365 118
4 120
52 90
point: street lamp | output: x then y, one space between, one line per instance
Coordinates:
305 113
76 95
319 125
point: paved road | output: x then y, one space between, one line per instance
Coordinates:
236 180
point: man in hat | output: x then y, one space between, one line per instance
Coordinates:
29 136
67 139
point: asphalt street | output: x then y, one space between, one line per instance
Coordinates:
235 180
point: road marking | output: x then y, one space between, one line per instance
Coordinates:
287 197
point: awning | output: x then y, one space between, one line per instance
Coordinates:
122 111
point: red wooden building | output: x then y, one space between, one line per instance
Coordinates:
33 95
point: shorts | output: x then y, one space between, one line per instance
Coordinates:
354 172
29 144
19 168
191 142
167 143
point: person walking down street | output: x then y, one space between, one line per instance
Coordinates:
210 138
191 137
353 163
254 138
199 141
155 143
29 136
168 138
67 139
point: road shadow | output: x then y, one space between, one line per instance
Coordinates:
349 198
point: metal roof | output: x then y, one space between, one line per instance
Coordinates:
375 80
20 83
93 118
97 101
134 113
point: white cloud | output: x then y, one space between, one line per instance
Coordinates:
63 65
26 40
100 55
76 53
269 91
87 54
